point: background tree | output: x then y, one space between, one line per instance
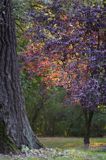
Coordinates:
74 40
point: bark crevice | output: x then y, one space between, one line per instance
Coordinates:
12 110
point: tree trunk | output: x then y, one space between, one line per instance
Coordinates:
15 129
88 119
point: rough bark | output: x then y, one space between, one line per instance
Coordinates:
15 129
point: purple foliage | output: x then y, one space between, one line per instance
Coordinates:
89 94
93 92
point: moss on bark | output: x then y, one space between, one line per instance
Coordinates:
6 145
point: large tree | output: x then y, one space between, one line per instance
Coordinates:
15 129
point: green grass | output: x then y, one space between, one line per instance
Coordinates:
78 155
75 148
64 143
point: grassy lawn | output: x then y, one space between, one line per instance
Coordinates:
64 143
74 147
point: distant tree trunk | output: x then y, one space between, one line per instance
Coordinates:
15 129
88 120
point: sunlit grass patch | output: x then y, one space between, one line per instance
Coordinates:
71 142
98 144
